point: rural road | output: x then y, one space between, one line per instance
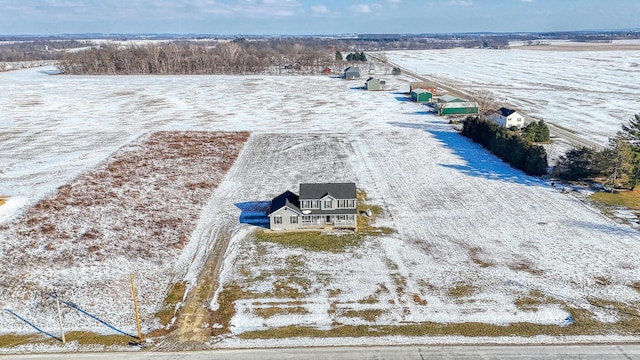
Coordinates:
610 352
554 130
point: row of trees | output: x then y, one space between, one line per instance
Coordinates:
508 145
235 57
357 56
240 56
36 50
618 165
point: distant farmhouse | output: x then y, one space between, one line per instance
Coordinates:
450 105
374 84
421 95
317 206
351 73
507 118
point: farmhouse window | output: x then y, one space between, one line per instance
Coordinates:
318 204
294 219
277 219
328 204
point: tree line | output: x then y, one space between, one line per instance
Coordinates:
618 165
233 57
37 50
306 55
508 145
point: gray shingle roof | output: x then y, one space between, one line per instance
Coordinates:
288 199
337 190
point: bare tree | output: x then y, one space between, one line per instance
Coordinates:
485 100
229 53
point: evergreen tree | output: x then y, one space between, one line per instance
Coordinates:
632 129
338 56
508 146
631 133
543 132
620 159
536 131
581 163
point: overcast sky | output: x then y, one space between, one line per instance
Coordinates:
51 17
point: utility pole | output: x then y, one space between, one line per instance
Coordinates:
135 306
60 320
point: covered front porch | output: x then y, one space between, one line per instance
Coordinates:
335 220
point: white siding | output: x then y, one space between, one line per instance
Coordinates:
285 215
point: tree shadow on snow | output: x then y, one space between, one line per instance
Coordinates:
254 213
478 162
422 113
609 229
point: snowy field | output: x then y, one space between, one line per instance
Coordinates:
463 219
589 92
473 235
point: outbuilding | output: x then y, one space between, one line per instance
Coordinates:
351 73
374 84
421 95
451 105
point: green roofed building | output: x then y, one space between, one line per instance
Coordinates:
421 95
450 105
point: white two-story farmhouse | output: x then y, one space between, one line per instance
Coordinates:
507 118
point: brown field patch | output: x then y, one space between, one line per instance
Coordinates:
526 267
461 290
139 205
268 312
474 253
151 191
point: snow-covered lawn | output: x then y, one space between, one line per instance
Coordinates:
589 92
473 238
473 235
